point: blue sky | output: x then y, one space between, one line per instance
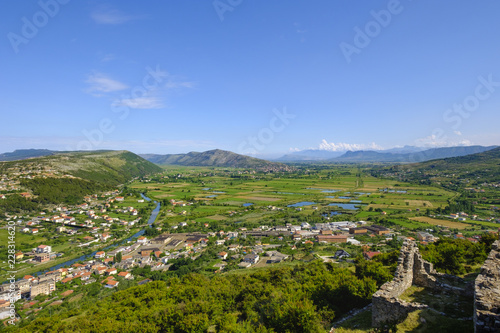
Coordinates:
254 77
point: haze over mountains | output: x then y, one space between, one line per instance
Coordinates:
223 158
407 154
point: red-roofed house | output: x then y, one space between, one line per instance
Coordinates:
111 284
66 280
370 254
125 275
43 249
100 254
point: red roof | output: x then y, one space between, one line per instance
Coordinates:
371 254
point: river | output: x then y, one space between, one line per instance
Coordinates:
151 220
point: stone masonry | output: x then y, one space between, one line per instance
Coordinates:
487 294
412 270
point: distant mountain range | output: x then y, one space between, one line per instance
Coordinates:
310 155
223 158
212 158
407 154
22 154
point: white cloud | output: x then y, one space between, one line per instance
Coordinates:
110 16
179 84
433 141
145 102
108 57
332 146
457 132
138 97
100 83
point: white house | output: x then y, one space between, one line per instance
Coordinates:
44 249
251 258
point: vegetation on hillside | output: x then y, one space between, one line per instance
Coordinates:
61 190
216 157
458 256
305 298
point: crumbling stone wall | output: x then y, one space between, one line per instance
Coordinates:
487 294
412 270
386 305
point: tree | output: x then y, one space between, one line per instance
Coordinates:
118 257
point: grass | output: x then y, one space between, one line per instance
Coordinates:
417 321
446 223
455 306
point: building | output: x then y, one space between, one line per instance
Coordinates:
332 238
44 288
425 236
43 249
370 254
251 258
125 275
377 229
162 239
111 284
340 254
42 257
222 255
100 254
357 231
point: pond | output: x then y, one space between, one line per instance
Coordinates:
220 192
348 206
247 204
356 201
393 191
344 197
332 213
324 190
302 203
211 196
289 193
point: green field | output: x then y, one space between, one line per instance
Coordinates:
220 194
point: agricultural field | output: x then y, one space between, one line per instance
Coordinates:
224 196
445 223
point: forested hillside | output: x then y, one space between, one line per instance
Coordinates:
306 298
68 177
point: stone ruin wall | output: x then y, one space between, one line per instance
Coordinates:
412 270
386 305
487 293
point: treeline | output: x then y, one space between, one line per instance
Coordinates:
461 205
304 298
458 256
16 204
61 190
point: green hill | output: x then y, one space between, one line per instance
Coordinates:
68 177
214 158
106 167
463 171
